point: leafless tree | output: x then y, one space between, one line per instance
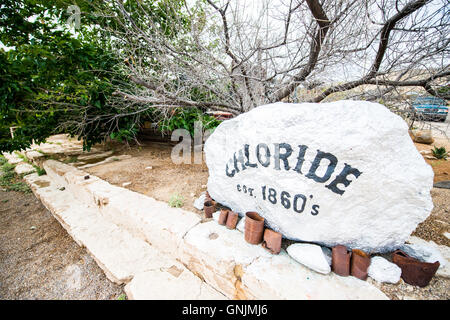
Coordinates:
236 55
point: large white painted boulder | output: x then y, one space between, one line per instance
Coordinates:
343 172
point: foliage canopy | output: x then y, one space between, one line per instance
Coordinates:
54 78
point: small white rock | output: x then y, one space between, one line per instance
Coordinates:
327 253
447 235
310 255
241 225
126 184
199 202
424 252
216 216
149 168
382 270
429 251
204 186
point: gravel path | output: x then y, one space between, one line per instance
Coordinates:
39 260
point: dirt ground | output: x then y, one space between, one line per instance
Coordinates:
440 167
437 289
39 260
163 181
437 223
434 227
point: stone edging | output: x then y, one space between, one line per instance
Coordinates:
218 256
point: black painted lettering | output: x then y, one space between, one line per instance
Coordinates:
230 174
282 156
316 163
300 158
272 195
285 199
267 154
342 178
295 203
315 210
239 159
247 156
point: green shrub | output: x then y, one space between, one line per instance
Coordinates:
176 201
440 153
185 118
71 159
9 180
39 171
123 296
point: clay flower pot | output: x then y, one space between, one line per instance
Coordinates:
340 258
272 241
223 216
360 264
209 208
232 220
414 272
254 228
208 199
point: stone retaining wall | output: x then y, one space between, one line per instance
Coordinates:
214 262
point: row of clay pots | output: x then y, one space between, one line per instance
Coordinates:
254 226
345 263
209 206
228 218
255 233
357 262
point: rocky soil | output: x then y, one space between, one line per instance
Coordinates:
39 260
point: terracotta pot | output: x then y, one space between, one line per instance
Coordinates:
223 216
340 258
272 241
209 199
360 264
414 272
209 208
232 220
254 228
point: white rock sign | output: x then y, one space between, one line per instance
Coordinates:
344 172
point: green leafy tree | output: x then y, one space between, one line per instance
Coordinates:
52 79
55 79
185 118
